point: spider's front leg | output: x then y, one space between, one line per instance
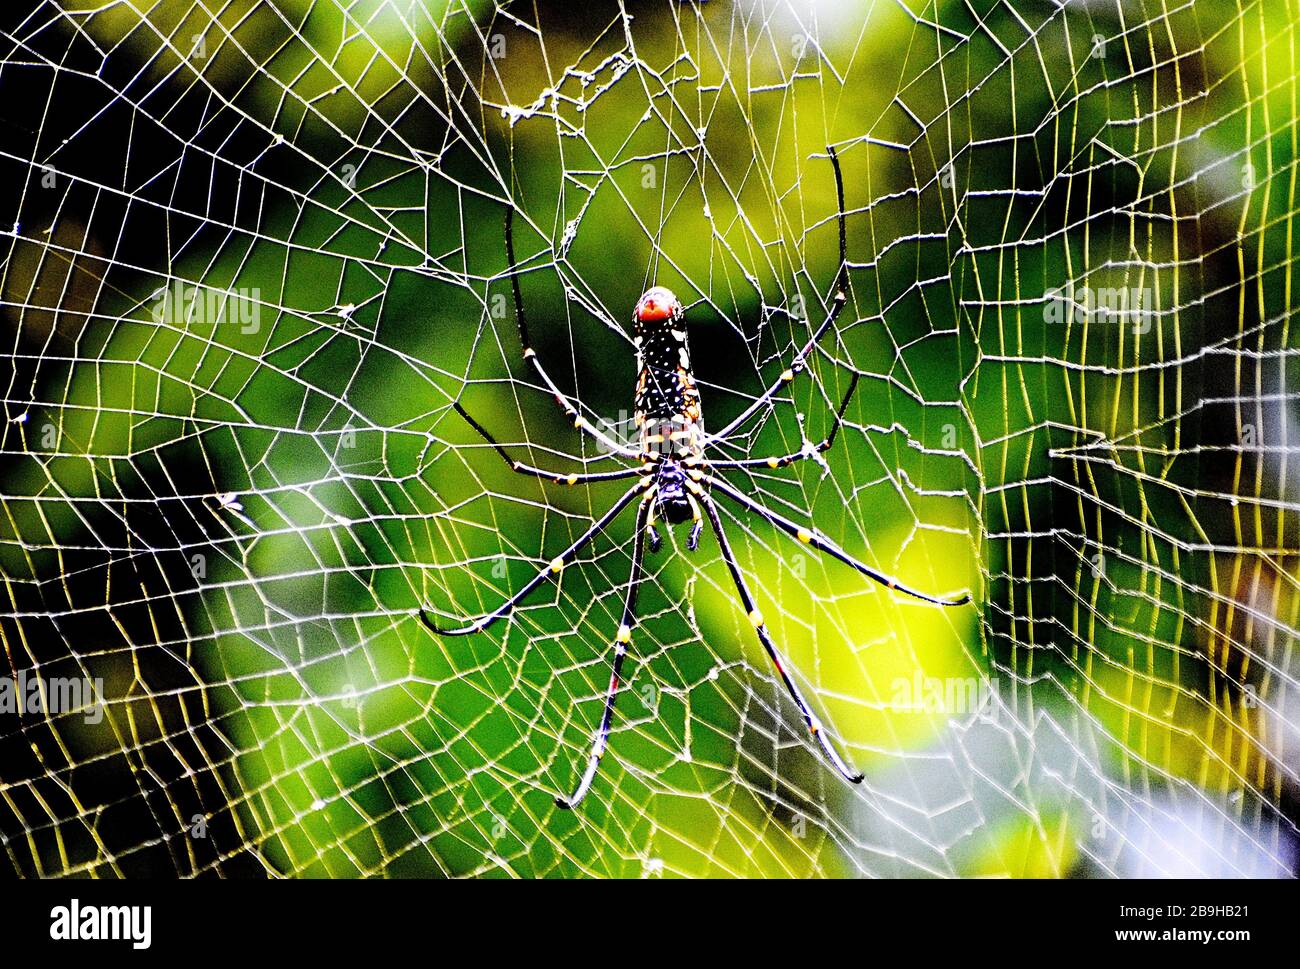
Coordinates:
756 619
556 566
621 641
824 544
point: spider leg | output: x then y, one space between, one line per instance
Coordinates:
569 408
809 718
621 641
823 544
693 540
805 452
556 565
577 478
656 540
838 299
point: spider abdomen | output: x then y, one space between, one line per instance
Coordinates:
667 402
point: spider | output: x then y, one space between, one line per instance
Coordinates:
676 481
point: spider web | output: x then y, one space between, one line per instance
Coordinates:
253 251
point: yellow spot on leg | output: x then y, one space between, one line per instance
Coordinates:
773 462
572 479
804 535
787 376
557 564
624 634
756 618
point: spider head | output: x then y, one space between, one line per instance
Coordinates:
657 305
674 506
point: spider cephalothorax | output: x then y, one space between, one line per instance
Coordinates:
674 502
676 479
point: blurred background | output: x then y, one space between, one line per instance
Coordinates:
251 253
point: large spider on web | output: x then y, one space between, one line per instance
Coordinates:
675 479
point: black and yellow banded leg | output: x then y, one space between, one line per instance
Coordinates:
839 297
756 619
824 544
621 641
583 477
570 409
556 566
808 451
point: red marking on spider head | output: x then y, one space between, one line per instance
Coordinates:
656 305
